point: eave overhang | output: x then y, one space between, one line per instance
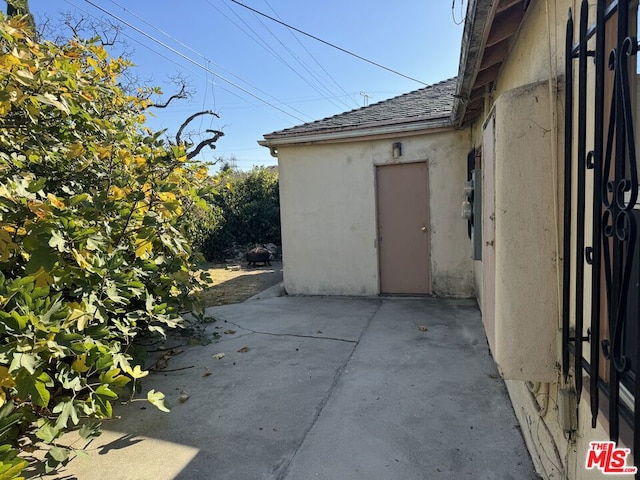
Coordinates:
486 42
359 132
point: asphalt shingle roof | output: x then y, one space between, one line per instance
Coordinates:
434 102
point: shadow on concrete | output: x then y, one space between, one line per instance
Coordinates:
324 388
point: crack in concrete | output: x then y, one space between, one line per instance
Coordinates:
257 332
285 465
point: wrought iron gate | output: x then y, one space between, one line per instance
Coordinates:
601 84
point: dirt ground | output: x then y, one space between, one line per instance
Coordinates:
235 286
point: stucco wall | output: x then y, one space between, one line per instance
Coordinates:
328 220
328 209
526 305
537 55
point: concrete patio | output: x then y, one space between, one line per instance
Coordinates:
326 388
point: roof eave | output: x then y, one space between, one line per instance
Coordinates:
479 14
340 135
489 33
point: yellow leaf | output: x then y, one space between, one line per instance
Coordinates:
136 372
6 379
143 248
76 150
6 246
167 196
79 364
5 107
56 202
81 260
115 193
78 316
39 208
103 152
202 173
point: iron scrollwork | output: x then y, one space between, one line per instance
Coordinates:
620 229
614 228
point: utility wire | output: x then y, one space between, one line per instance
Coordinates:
171 60
256 38
359 57
453 13
204 58
194 62
162 55
314 58
302 64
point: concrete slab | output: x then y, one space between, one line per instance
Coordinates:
417 404
330 388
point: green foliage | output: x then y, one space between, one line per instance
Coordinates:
249 206
92 206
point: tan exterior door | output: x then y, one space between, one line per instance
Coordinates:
403 228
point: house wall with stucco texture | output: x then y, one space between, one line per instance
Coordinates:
328 213
528 96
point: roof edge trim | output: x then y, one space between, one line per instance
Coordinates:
399 129
479 14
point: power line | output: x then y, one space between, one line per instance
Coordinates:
302 64
204 58
253 35
190 60
172 107
257 39
313 57
359 57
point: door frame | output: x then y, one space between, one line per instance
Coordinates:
377 232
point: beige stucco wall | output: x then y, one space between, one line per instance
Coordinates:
536 55
536 59
526 278
328 220
328 213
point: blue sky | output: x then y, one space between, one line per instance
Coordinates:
301 78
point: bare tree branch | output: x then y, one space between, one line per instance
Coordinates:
189 120
207 142
176 96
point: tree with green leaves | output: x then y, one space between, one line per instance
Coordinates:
20 8
249 211
93 213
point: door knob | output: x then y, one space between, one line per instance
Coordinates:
424 229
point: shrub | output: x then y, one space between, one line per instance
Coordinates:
249 203
92 207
